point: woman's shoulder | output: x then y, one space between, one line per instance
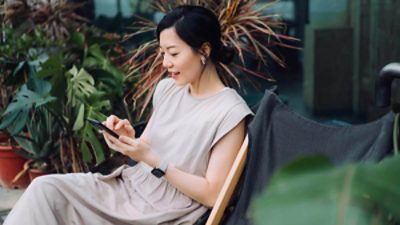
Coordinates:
232 97
231 100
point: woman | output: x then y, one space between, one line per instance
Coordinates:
184 154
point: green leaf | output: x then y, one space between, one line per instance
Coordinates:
52 67
86 155
17 112
97 147
40 87
42 139
79 119
19 122
78 38
95 51
90 62
26 143
352 194
8 119
20 66
80 85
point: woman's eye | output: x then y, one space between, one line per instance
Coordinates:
174 54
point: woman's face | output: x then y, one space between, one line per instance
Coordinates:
182 62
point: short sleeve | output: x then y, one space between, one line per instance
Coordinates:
161 87
232 118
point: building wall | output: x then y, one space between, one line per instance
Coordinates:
375 43
377 32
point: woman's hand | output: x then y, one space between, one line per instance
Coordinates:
121 126
131 147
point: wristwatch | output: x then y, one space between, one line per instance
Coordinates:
160 171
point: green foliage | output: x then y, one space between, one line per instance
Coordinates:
42 138
312 191
73 80
31 96
21 54
80 84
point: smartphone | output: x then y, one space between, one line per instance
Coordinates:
101 126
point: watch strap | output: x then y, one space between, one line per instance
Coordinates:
160 170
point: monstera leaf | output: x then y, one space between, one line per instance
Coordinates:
80 85
311 191
31 95
90 145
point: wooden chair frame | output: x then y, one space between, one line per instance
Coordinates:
229 185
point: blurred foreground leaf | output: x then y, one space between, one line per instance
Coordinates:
311 191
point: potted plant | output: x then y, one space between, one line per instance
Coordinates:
10 162
73 62
17 112
40 144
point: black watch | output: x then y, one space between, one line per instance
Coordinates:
160 171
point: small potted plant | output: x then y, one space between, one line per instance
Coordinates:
40 144
10 162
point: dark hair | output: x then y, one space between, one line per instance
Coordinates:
196 25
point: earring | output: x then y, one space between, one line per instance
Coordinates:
203 60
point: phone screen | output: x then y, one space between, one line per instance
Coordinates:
101 126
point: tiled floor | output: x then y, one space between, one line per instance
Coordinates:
8 197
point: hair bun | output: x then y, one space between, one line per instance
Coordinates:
226 54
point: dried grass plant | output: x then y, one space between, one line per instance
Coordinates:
244 28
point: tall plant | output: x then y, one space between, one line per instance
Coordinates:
244 28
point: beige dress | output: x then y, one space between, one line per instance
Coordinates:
183 132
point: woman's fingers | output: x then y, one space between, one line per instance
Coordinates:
125 127
111 121
129 141
121 145
108 140
122 123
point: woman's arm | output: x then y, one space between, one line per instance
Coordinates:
202 189
206 189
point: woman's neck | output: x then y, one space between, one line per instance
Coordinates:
207 84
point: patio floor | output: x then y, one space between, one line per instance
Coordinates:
8 197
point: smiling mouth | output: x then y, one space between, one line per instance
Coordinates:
174 75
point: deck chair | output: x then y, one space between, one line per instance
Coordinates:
277 135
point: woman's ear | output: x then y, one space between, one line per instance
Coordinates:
205 49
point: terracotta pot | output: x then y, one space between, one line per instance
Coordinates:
10 165
33 172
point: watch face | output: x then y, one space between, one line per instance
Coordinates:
157 172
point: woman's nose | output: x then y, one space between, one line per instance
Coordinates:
166 63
